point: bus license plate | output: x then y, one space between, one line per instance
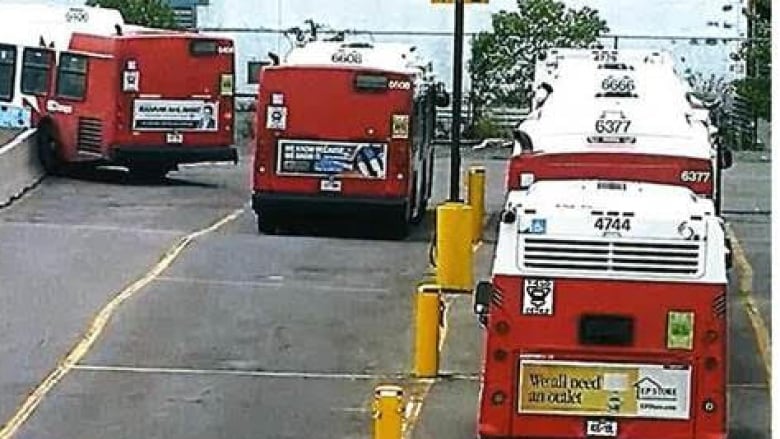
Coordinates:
174 138
601 428
330 185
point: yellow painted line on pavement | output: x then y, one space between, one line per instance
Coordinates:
97 326
745 285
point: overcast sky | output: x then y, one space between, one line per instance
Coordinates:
624 17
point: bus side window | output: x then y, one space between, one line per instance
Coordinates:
72 76
7 69
36 66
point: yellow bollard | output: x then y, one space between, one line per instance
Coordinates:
426 336
454 269
388 411
476 199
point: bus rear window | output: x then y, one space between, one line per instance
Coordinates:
35 71
371 82
7 69
203 47
72 76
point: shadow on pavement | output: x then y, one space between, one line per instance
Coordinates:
120 176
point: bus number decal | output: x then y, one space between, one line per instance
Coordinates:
614 84
399 85
604 56
612 126
538 296
695 176
612 224
342 56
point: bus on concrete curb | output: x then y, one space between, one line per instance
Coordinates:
346 129
103 92
605 315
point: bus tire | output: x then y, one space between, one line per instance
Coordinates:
48 151
149 172
399 225
420 204
266 225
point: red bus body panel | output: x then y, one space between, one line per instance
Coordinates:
323 105
556 338
167 71
615 166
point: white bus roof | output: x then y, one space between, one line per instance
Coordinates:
393 57
21 16
569 126
646 231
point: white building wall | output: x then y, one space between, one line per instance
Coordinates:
624 17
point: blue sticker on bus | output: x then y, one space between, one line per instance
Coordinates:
538 226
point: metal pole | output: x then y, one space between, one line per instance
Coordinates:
457 92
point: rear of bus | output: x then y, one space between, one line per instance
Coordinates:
695 173
605 319
332 140
174 100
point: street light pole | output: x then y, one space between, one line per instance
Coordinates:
457 92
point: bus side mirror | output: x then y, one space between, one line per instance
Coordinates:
521 137
482 296
729 255
442 98
726 158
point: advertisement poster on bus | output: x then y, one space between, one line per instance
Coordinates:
167 115
604 389
342 159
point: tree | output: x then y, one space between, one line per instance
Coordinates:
502 61
150 13
757 86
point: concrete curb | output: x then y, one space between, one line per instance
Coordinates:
20 169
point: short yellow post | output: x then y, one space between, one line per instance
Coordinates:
388 411
476 199
426 336
454 270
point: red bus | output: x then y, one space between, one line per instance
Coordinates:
605 315
345 129
142 98
591 115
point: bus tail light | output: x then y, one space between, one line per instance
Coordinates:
709 406
710 363
498 397
500 355
711 336
502 327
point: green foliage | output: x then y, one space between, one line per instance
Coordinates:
756 88
502 61
484 128
150 13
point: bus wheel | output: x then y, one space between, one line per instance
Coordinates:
149 172
399 224
46 146
266 225
421 205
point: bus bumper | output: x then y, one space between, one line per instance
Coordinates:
316 204
174 155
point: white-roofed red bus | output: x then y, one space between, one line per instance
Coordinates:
606 314
103 92
630 118
345 129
